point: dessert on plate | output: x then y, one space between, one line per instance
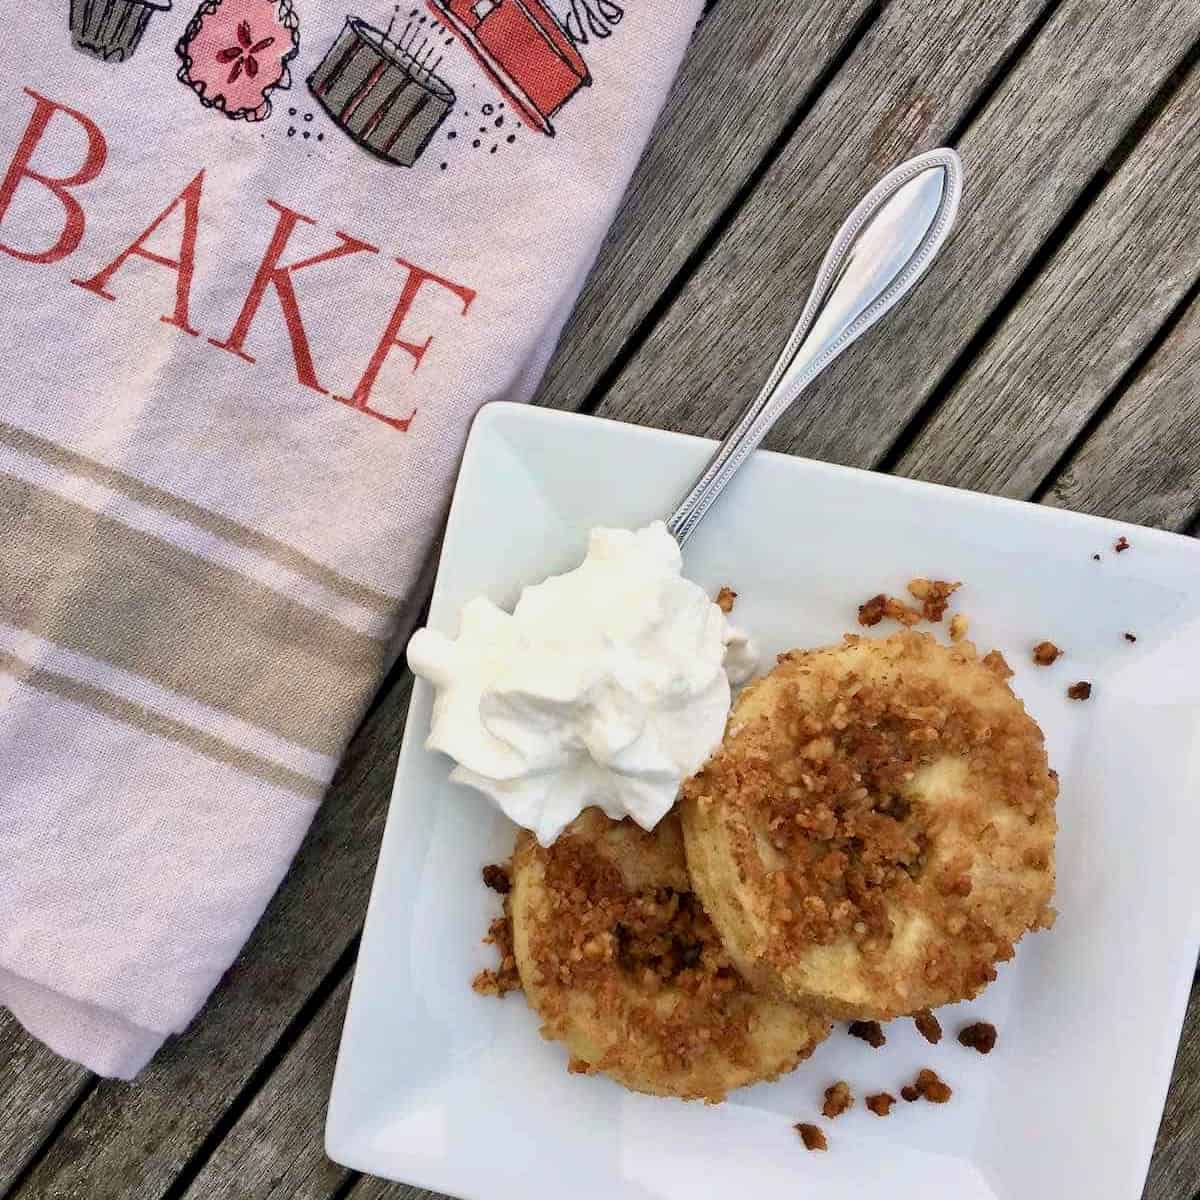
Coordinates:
621 962
877 830
702 884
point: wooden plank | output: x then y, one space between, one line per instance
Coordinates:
1175 1167
128 1142
1029 154
36 1089
276 1149
749 67
1142 462
1094 308
275 1152
370 1188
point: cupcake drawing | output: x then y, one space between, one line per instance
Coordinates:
385 98
110 30
236 52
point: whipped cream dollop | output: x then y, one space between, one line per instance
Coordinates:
605 686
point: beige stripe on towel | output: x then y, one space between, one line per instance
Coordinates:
155 723
192 538
93 585
194 514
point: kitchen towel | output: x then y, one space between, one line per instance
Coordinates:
261 262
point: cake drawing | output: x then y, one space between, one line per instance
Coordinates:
111 30
522 47
385 97
236 53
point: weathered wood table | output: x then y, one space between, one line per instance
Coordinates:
1053 355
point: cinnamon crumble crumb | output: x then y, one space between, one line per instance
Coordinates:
806 790
726 598
505 978
934 595
931 1087
1046 653
871 612
811 1136
997 664
870 1032
928 1026
1121 544
1080 691
837 1099
981 1036
1130 637
878 607
880 1103
910 1093
496 877
958 627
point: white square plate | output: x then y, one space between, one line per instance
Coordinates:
449 1090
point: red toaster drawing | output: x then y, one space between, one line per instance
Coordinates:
524 49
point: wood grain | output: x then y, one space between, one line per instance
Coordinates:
129 1141
371 1188
1175 1167
1029 155
1091 312
1142 462
750 65
916 76
36 1089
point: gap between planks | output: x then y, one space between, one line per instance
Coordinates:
88 1086
637 337
295 1028
1014 207
1053 243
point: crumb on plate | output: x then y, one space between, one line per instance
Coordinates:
505 978
928 1026
880 606
980 1036
1130 637
934 595
495 876
838 1099
726 598
880 1103
811 1136
1080 691
932 1088
1095 558
1121 544
910 1093
1046 653
870 1032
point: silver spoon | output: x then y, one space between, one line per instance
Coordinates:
885 245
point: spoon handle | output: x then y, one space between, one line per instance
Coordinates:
885 245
